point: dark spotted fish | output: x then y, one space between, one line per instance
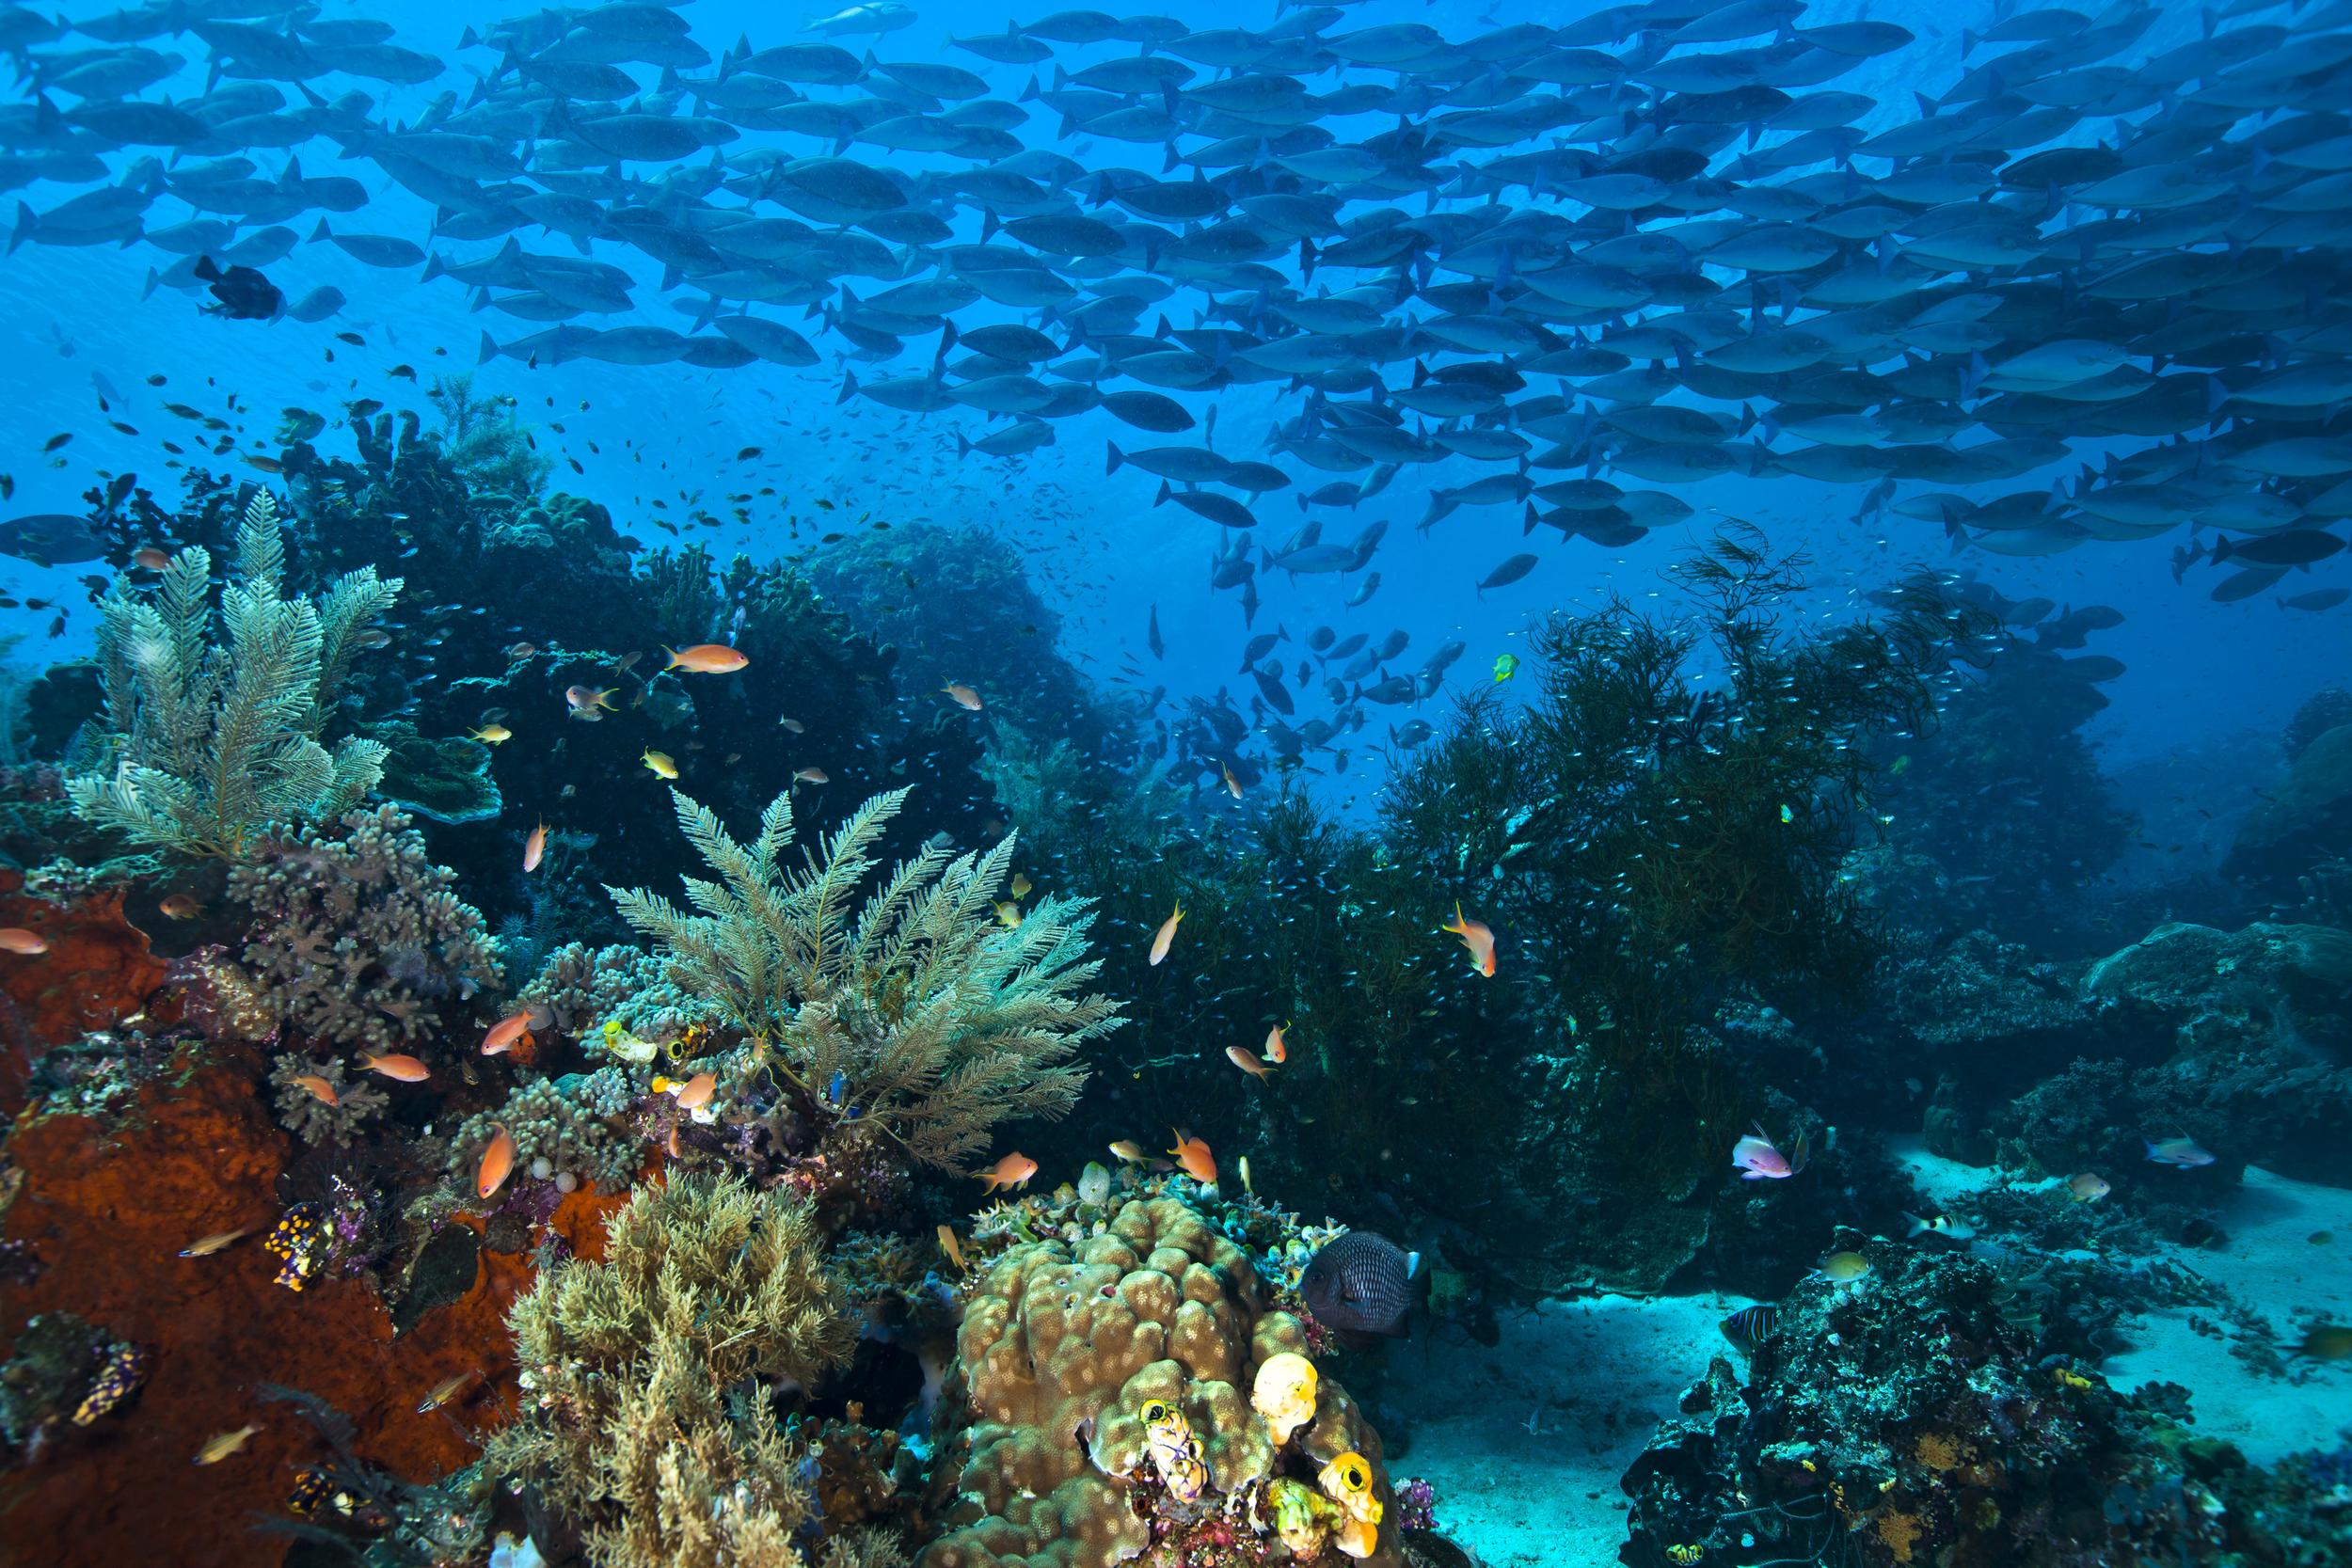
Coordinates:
1361 1283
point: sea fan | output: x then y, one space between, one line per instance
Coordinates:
918 1009
207 741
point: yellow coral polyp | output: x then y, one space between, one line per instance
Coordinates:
1284 1394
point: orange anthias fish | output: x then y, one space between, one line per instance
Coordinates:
181 906
1476 936
1232 784
536 847
505 1032
16 938
320 1089
1277 1050
704 659
1247 1060
1166 934
691 1093
589 703
962 696
1194 1156
1014 1170
406 1069
812 776
497 1163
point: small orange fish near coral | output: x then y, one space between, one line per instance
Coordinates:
1166 934
320 1089
151 557
1277 1050
1232 784
406 1069
207 1245
536 847
179 905
1194 1156
1476 936
497 1163
693 1093
1130 1150
812 776
962 696
704 659
505 1032
1014 1170
16 938
1246 1059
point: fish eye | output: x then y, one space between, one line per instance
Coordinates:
1154 1412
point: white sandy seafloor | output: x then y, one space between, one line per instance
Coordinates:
1524 1442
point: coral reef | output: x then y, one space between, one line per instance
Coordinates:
652 1381
564 1130
108 1207
315 1117
1905 1418
2237 1039
357 937
916 1015
2305 822
1109 1385
202 742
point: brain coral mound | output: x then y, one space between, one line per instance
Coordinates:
1062 1350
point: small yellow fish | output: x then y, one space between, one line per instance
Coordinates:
491 735
1130 1150
1021 885
1165 934
218 1241
220 1448
948 1244
1008 913
1844 1268
962 696
443 1391
661 764
1506 665
181 906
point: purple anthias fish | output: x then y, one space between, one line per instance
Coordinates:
1761 1160
2183 1152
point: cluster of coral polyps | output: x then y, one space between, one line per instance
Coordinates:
1131 1397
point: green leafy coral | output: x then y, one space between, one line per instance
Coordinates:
649 1416
205 738
916 1007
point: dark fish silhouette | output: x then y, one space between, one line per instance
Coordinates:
1361 1283
244 293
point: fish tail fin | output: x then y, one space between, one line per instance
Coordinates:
488 352
1111 463
321 232
848 386
27 225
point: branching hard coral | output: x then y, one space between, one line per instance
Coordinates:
301 1111
567 1122
584 987
357 937
651 1381
206 740
916 1010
